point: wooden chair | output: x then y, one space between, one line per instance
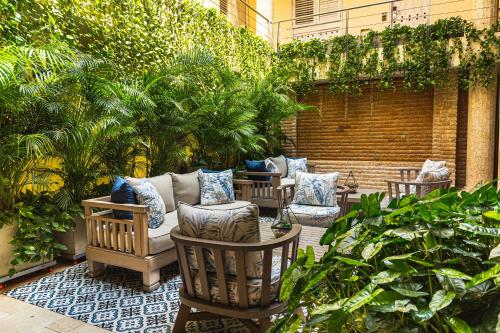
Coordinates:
342 195
264 193
126 243
408 184
209 308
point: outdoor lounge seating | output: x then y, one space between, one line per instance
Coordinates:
265 185
235 279
433 175
129 243
319 214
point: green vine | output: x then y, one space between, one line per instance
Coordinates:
423 56
36 218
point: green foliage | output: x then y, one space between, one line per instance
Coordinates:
36 218
422 55
420 265
138 36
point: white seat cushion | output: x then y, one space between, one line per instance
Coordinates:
159 238
315 216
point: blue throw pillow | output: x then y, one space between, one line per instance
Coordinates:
122 193
257 166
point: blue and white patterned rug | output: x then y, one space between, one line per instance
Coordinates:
115 300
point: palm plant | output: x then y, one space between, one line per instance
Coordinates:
274 102
26 74
92 118
175 90
227 127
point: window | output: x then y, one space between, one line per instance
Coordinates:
304 8
384 17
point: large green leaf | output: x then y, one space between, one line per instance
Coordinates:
483 276
403 305
422 315
407 233
441 299
325 308
408 289
371 250
352 262
495 254
492 214
362 297
452 273
385 277
479 230
458 325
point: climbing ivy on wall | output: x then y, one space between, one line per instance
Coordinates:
423 56
137 35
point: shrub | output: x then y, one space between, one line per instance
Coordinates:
420 265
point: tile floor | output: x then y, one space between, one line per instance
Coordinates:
20 317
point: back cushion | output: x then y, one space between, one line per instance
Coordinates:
316 189
186 187
240 225
122 193
279 163
163 185
430 165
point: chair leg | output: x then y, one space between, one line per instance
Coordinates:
151 280
264 324
182 318
95 268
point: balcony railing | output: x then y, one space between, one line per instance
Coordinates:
359 20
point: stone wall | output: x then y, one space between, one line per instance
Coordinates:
377 132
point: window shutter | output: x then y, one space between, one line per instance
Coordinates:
326 6
302 8
223 5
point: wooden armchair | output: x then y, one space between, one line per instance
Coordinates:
264 193
214 298
316 216
408 184
130 243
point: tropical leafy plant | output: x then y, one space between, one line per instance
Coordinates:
36 218
420 265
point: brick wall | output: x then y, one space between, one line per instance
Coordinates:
444 126
378 132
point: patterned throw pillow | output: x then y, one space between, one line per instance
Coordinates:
277 164
430 165
316 189
148 195
240 225
294 165
216 188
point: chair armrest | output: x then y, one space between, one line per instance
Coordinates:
105 203
343 191
311 167
281 192
243 189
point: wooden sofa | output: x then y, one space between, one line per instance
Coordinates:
130 243
264 193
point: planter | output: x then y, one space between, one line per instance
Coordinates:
75 240
6 234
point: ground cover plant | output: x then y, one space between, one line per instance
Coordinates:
420 265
